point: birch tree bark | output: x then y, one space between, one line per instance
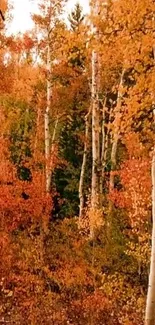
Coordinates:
150 303
96 127
83 168
103 147
97 148
47 129
46 20
95 211
52 149
95 132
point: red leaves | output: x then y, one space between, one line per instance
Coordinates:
20 201
16 210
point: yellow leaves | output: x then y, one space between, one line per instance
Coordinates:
7 293
140 250
96 219
72 274
121 292
26 78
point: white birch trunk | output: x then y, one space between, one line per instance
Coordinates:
52 148
96 116
95 133
103 149
96 130
47 130
83 168
96 122
37 132
150 304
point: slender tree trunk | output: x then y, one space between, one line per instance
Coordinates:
96 114
96 118
95 194
47 129
52 148
37 131
150 304
83 168
106 143
96 121
103 149
117 122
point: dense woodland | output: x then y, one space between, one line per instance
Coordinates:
77 166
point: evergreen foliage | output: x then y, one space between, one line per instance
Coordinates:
76 17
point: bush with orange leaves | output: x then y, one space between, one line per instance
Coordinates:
24 206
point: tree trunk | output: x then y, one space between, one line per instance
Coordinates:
150 304
37 132
96 118
116 123
97 151
95 194
52 149
83 168
96 121
103 149
47 130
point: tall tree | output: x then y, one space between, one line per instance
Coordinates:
95 191
97 147
76 17
150 304
50 11
83 167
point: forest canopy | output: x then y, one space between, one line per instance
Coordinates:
77 167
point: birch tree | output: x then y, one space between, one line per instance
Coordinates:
95 131
96 114
83 168
50 11
95 108
47 117
104 146
95 214
150 303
